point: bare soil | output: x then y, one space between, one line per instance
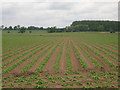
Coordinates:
101 61
36 65
108 48
104 55
76 66
9 65
18 55
25 63
49 65
104 32
62 67
89 63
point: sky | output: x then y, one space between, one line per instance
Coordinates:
53 13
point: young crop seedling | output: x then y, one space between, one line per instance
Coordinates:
38 86
42 64
63 80
52 81
78 83
68 58
72 79
56 66
89 83
83 63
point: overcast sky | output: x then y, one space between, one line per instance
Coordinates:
60 14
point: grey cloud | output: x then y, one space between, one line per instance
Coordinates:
56 14
61 5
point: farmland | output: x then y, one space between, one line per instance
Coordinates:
60 60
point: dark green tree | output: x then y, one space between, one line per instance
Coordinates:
10 28
8 31
15 28
5 28
18 27
30 31
2 27
100 28
22 30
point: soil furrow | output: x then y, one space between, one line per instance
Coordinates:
10 51
75 62
11 54
101 61
62 67
107 57
107 48
20 67
49 65
116 47
9 65
89 63
18 54
36 65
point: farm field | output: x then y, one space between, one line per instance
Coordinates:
60 60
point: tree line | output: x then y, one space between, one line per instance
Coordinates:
76 26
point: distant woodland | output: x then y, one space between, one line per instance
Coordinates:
76 26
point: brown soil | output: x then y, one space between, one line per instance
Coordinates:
76 66
25 63
49 65
101 61
18 55
116 47
89 63
108 48
62 67
10 51
19 74
104 32
12 54
112 54
109 51
58 83
9 65
36 65
106 56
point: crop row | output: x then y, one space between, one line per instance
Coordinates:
19 49
19 52
90 57
43 63
101 56
82 62
10 61
114 51
110 50
24 59
35 60
11 52
113 48
68 58
57 63
115 58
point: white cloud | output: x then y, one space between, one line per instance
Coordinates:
60 0
57 14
